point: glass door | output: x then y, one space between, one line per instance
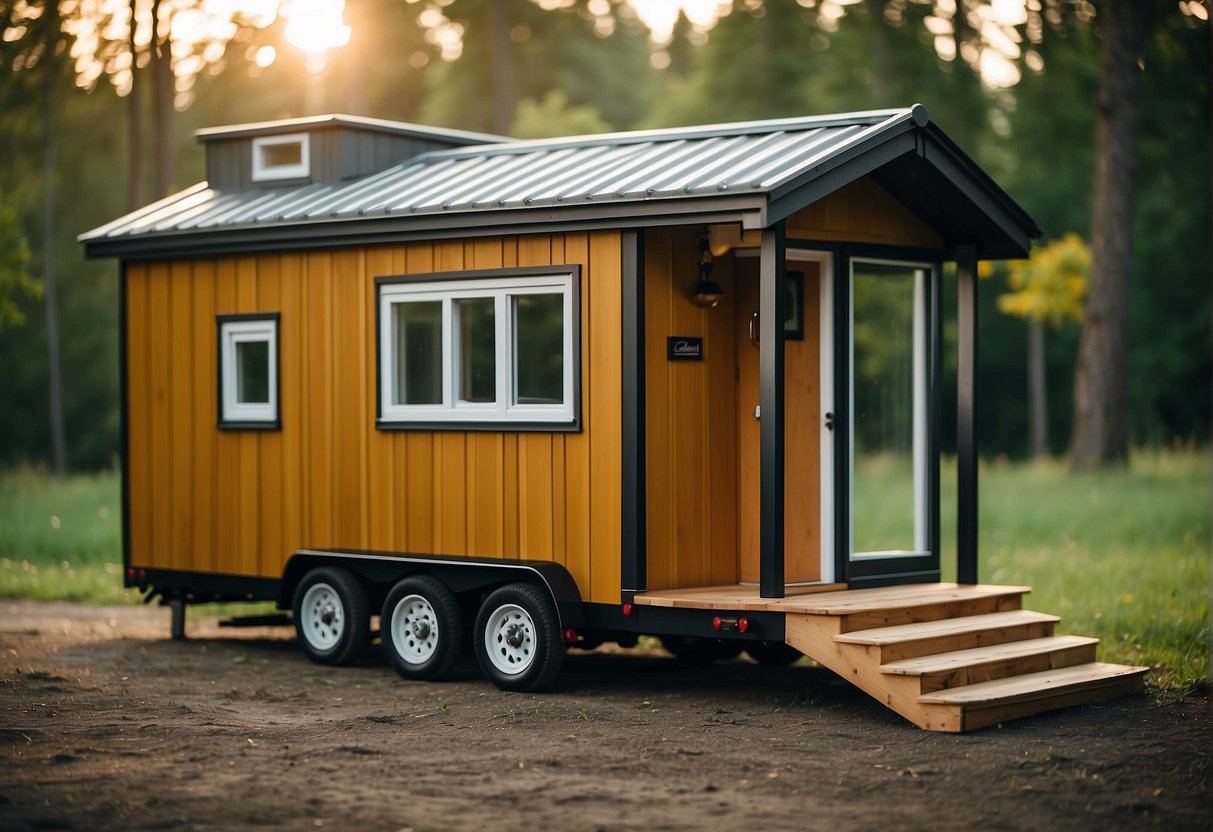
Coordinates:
892 436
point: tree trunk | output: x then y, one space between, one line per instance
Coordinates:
134 186
50 295
879 54
162 100
1100 435
502 67
1038 391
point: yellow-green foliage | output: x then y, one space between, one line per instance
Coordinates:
1051 286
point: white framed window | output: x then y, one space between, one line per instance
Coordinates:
280 157
480 349
248 371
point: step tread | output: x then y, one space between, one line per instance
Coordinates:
956 659
944 627
906 596
1032 685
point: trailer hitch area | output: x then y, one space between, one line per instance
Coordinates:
731 625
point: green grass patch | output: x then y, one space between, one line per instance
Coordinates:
1122 555
61 538
1119 554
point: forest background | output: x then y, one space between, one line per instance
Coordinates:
83 139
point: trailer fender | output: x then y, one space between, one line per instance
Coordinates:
381 570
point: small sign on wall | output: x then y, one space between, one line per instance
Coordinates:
683 348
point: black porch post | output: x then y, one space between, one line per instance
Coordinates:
966 423
771 479
632 558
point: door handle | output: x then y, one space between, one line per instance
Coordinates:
754 329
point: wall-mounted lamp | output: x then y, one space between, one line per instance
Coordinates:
707 291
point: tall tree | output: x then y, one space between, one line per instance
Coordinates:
1047 290
1100 434
134 182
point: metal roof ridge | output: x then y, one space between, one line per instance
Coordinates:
701 131
340 119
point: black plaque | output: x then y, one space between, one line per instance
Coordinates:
683 348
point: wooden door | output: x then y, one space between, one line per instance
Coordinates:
802 426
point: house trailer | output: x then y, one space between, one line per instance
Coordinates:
537 395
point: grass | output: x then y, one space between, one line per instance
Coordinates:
61 539
1119 554
1122 555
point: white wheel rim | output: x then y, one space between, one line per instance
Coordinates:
509 639
415 629
323 616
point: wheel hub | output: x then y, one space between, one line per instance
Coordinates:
421 630
515 635
328 614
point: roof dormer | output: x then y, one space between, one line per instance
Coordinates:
319 149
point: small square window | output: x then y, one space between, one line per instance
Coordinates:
248 371
280 157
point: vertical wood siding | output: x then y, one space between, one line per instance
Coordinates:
691 430
862 212
241 502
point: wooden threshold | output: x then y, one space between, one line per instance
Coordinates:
729 597
822 599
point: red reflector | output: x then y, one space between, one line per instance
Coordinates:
570 634
143 574
743 625
130 573
717 623
627 610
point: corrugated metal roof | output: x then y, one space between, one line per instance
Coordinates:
733 168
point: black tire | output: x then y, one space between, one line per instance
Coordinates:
773 653
421 628
332 616
693 650
526 613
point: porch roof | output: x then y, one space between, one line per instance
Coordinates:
754 173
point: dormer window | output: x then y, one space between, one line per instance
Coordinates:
280 157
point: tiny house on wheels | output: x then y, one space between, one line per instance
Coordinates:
535 395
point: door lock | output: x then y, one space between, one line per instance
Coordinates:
829 421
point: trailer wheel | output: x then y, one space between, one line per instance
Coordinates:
332 616
773 653
421 628
517 639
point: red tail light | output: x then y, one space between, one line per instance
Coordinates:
628 609
743 625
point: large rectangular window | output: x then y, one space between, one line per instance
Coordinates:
478 349
248 371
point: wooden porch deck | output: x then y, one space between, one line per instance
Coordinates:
947 657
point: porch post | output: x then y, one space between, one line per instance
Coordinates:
633 501
966 426
771 479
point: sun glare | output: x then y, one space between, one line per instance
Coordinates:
316 26
660 15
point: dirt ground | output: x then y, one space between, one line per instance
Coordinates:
105 723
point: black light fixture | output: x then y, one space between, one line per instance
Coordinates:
707 292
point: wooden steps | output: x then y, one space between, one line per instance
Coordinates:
954 658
